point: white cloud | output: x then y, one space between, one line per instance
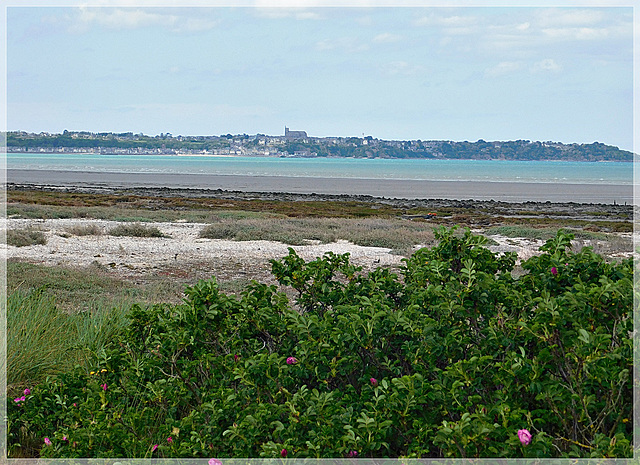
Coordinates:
451 21
84 18
401 68
278 12
510 67
547 64
504 67
311 3
577 33
386 38
569 17
344 44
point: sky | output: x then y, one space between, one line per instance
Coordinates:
561 71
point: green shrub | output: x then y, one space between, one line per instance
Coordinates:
451 359
25 237
136 230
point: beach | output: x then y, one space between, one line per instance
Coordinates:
387 188
187 255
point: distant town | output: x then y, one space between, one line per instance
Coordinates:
299 144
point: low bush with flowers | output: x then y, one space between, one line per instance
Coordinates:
453 357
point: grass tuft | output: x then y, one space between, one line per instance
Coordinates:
25 237
136 230
37 337
84 230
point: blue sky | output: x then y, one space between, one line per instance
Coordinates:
559 73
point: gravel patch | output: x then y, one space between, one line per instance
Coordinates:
182 254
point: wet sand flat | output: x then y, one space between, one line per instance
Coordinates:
389 188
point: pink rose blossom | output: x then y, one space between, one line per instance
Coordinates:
153 449
64 438
374 381
236 357
215 462
19 399
104 386
169 439
283 452
27 392
524 436
292 361
353 454
554 270
47 441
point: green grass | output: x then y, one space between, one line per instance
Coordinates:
88 289
57 317
522 231
43 339
129 215
37 338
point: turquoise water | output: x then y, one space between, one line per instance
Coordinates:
432 170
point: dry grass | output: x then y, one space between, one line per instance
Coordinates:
84 230
25 237
399 235
136 230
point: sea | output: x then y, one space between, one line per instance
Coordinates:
560 172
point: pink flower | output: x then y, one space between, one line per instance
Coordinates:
353 454
554 270
215 462
153 449
374 381
236 357
75 405
47 441
524 436
169 439
27 392
19 399
292 361
104 386
64 438
283 452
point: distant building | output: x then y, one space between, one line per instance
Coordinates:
294 134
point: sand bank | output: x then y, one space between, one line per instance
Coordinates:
390 188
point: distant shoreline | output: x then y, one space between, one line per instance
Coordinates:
383 188
281 155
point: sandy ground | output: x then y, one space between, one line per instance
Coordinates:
184 255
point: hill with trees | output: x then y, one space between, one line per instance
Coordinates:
281 146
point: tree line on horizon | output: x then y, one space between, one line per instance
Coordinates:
366 147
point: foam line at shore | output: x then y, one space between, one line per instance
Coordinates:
404 189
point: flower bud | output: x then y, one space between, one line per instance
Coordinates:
524 436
